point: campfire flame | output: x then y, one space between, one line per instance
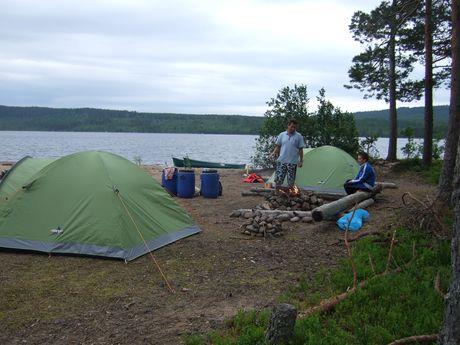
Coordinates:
290 192
294 191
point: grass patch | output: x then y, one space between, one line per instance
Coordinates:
387 308
430 175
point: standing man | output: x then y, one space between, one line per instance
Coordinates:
289 150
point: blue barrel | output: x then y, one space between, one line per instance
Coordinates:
210 184
170 185
186 184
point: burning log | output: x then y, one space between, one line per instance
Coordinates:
329 211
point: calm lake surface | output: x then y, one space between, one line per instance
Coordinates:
153 148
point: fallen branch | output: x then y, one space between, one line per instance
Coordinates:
425 214
330 303
437 286
416 339
362 234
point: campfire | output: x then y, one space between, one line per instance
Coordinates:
283 205
289 192
291 199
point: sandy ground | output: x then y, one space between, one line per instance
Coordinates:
73 300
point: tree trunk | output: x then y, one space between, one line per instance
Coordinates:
392 143
428 133
450 333
329 211
450 154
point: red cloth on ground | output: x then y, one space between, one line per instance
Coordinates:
253 178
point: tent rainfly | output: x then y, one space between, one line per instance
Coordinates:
91 203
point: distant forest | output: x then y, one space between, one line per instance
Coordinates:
101 120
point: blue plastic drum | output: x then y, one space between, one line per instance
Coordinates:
170 185
210 186
186 184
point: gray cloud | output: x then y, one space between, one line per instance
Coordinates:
176 56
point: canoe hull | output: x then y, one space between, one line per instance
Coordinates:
180 163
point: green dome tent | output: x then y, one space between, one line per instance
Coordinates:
18 175
325 168
92 203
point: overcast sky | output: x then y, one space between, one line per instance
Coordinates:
191 56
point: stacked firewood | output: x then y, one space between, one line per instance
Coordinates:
300 201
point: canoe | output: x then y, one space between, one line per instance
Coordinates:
181 163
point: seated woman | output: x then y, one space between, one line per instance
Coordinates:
365 180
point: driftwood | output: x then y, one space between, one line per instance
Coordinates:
416 339
330 210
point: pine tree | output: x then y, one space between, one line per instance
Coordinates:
383 69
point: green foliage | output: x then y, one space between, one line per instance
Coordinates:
101 120
438 149
289 103
387 308
413 38
98 120
430 175
370 69
327 126
376 122
411 149
331 126
368 145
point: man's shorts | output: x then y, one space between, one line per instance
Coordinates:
283 169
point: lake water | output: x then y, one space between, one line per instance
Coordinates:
152 148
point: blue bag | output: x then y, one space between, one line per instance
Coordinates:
356 223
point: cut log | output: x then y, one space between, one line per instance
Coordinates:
387 185
328 211
363 204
